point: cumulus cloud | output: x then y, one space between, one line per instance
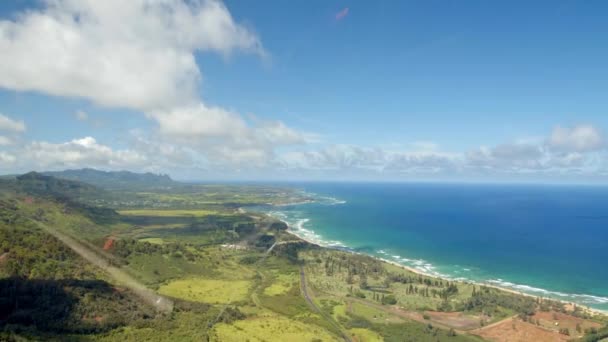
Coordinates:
581 138
140 55
84 152
350 158
507 157
81 115
335 157
423 163
135 54
6 158
225 137
10 125
200 121
5 141
577 150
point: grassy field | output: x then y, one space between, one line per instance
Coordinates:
365 335
156 241
213 291
169 213
281 284
270 328
185 326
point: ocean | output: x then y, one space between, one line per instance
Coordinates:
546 240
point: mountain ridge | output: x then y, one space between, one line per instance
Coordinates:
115 179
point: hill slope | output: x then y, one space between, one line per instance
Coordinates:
116 179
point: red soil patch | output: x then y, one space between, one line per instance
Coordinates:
119 289
549 319
3 258
108 244
514 330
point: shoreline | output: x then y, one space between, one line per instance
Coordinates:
586 308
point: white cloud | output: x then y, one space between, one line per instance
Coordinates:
140 55
5 141
200 121
224 137
423 162
581 138
81 115
335 157
10 125
6 158
136 54
85 152
506 157
276 132
348 158
576 150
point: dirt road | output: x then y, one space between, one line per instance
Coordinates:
313 305
161 303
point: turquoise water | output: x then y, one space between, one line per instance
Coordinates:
543 240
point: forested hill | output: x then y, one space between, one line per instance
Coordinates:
116 179
38 184
75 195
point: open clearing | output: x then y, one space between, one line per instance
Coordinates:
549 320
514 330
169 213
272 328
212 291
156 241
281 285
456 320
365 335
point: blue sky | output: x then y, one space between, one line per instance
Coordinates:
395 90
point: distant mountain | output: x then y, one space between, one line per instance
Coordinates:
39 184
116 179
75 195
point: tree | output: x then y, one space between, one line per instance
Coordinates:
389 300
363 281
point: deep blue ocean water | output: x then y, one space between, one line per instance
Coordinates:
543 240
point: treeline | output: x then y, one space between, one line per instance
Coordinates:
355 265
47 289
488 301
66 306
27 252
594 335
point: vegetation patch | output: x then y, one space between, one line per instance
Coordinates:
282 284
213 291
273 328
365 335
155 241
169 213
